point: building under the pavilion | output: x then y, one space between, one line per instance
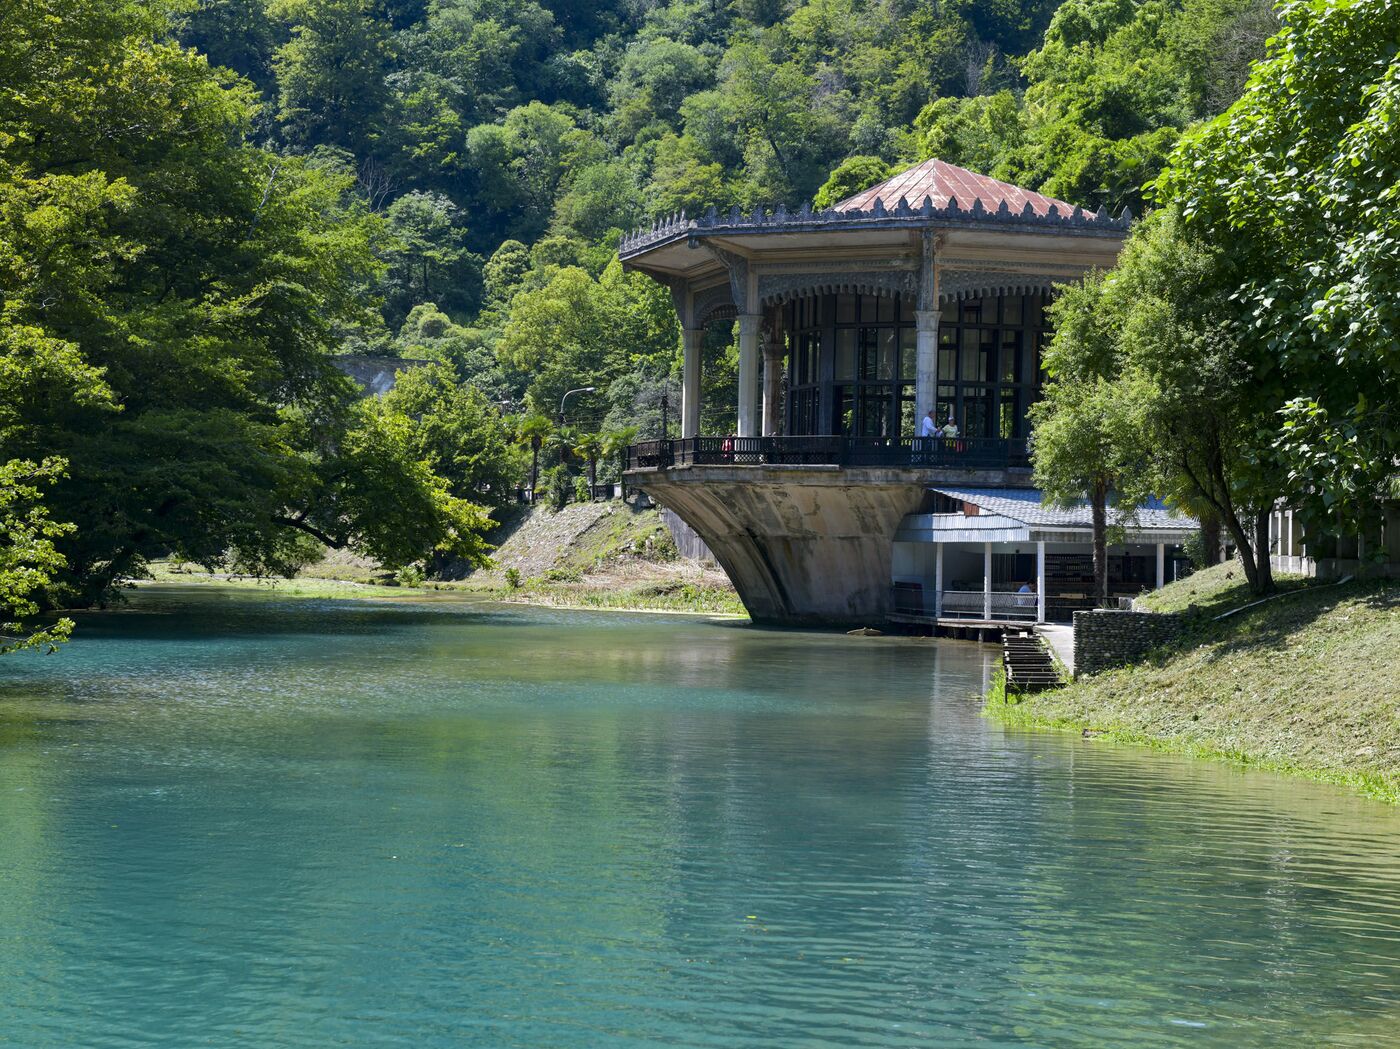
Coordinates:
927 291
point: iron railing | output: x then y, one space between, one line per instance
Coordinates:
949 453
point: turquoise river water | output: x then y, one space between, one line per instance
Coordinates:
229 818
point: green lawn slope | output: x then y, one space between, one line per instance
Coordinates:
1306 683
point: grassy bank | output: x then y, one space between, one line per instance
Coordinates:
1305 684
591 555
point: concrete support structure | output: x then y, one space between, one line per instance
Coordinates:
926 327
750 331
987 581
938 582
693 341
926 348
1161 566
772 384
1040 581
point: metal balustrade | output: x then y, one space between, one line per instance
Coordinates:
948 453
971 604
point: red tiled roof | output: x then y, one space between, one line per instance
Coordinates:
942 181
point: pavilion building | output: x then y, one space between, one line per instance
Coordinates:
925 292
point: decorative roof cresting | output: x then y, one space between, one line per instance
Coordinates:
941 193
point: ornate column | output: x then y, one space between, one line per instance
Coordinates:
750 329
926 329
693 341
772 381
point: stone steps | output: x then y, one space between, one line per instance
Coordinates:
1027 663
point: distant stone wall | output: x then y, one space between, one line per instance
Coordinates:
1107 638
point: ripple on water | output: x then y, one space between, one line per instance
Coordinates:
250 821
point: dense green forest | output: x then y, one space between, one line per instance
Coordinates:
507 145
202 202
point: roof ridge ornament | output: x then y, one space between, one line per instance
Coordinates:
926 208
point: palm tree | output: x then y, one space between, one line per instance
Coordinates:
615 442
534 429
590 445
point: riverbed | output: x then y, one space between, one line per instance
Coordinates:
232 818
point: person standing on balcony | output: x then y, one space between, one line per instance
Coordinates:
930 425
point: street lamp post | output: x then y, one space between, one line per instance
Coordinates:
665 407
563 400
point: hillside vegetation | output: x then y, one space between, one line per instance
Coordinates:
1303 683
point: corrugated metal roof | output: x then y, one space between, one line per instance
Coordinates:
1026 506
943 181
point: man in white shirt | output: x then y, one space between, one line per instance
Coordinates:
930 426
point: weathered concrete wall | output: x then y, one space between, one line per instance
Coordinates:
1107 638
803 544
688 541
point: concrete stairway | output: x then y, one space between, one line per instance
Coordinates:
1027 663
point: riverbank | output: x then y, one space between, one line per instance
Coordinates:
605 556
1305 684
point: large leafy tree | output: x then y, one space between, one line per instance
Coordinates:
332 74
1299 179
1086 433
458 433
172 297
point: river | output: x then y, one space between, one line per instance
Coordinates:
230 818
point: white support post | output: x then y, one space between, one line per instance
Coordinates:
750 326
694 344
938 581
925 362
987 582
1161 565
1040 581
772 384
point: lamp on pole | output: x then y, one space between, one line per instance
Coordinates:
665 408
563 400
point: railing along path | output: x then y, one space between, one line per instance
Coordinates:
965 453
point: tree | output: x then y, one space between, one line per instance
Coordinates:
29 559
850 177
1155 393
1205 398
332 74
1299 179
172 299
533 430
457 433
428 261
1086 438
590 447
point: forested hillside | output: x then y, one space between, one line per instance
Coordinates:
203 202
506 144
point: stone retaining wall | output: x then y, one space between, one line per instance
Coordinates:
1106 638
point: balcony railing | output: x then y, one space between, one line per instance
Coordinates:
950 453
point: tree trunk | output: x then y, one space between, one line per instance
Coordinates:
1098 499
534 468
1210 538
592 475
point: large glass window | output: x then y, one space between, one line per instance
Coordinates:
989 363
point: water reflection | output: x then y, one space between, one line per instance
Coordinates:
256 821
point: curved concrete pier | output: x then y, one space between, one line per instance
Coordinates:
804 544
